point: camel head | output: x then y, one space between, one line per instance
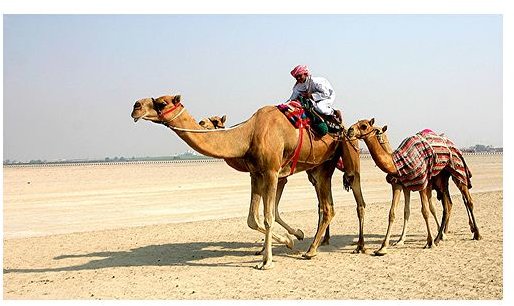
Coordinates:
363 128
151 109
214 122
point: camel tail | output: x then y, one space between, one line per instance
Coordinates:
347 182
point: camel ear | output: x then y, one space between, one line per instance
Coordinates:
223 119
384 128
176 99
372 121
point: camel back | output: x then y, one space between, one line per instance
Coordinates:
425 155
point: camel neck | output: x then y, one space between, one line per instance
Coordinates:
218 144
382 158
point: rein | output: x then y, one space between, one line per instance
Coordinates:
168 121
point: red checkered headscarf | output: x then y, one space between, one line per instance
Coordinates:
298 70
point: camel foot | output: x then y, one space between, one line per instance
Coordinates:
299 234
477 236
381 252
399 242
260 252
290 241
429 245
309 255
265 266
360 249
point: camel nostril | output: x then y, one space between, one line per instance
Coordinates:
137 105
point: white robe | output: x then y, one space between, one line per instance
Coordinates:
322 93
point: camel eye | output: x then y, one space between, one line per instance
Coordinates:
362 127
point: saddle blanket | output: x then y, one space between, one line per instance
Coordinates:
295 113
425 155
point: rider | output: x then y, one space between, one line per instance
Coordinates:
317 89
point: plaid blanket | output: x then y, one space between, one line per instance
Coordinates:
295 113
425 155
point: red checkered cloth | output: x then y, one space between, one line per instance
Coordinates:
425 155
295 113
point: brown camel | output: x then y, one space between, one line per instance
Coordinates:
406 192
264 145
214 122
381 152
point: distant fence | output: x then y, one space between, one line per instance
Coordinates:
178 161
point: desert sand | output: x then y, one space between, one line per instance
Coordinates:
178 231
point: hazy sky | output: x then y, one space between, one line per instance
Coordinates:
70 81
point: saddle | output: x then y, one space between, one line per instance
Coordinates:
321 123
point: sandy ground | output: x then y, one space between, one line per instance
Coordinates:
178 231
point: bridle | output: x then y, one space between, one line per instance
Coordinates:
374 132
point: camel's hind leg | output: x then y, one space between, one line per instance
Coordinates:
424 210
361 205
321 177
280 188
396 191
468 201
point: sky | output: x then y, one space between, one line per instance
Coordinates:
70 81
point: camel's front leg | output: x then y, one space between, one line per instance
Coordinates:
468 201
268 196
396 191
406 216
254 222
434 212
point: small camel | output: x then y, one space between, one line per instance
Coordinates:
264 146
379 148
214 122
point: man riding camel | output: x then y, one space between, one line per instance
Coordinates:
316 89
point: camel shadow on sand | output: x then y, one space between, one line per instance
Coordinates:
194 254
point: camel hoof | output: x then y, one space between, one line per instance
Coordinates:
265 266
290 241
325 241
477 236
399 243
360 249
309 255
381 252
259 252
428 246
299 234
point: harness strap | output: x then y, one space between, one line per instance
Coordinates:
297 150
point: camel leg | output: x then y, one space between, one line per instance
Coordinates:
433 210
406 216
254 222
326 237
442 182
321 179
268 195
280 188
424 212
468 201
396 191
361 205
